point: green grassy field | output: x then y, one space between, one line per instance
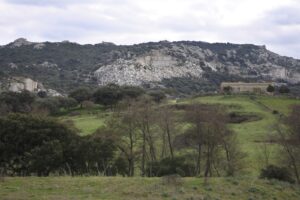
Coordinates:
281 104
87 121
118 188
86 124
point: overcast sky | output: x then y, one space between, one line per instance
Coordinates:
275 23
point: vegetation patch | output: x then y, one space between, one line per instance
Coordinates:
237 118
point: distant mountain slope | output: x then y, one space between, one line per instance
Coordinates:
185 66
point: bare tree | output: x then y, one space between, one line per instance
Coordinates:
167 124
289 139
264 155
208 131
215 125
195 117
234 155
145 119
124 124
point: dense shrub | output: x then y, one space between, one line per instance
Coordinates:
31 145
111 94
108 95
17 102
49 105
275 172
270 88
275 112
283 89
81 94
157 96
169 166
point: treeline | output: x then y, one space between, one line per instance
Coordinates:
112 94
108 96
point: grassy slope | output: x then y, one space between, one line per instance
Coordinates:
87 121
87 124
115 188
281 104
252 135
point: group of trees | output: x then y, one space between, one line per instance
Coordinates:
16 102
161 140
31 145
283 89
26 102
289 139
108 96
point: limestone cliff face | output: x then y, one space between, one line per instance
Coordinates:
18 84
151 67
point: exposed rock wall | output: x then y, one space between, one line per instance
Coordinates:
152 67
18 84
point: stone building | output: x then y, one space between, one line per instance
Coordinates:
241 87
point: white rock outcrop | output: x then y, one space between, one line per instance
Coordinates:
20 42
20 84
152 67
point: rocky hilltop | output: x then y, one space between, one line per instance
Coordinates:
185 66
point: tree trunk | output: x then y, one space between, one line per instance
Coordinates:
198 165
207 167
143 153
131 159
151 145
170 141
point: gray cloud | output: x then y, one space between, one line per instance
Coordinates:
55 3
274 23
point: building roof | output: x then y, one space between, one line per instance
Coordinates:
245 84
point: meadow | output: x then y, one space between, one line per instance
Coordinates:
253 137
119 188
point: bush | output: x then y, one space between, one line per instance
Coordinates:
169 166
157 96
17 102
283 89
81 94
108 95
270 88
49 105
275 112
33 145
279 173
88 104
